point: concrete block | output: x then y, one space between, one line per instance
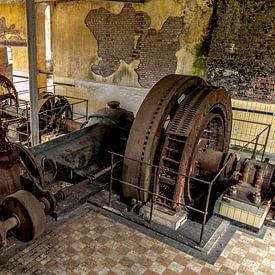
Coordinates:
243 213
165 219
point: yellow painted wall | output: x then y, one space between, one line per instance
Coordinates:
259 113
20 59
15 14
5 68
75 47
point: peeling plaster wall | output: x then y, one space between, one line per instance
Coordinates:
77 51
13 34
5 68
76 47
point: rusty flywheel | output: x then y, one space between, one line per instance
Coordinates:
179 117
7 92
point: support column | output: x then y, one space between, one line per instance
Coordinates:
31 38
5 68
40 20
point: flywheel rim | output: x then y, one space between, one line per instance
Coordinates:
200 109
142 144
216 100
29 213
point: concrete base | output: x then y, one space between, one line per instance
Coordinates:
162 218
242 212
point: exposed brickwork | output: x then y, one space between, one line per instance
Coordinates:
157 51
116 41
115 35
242 50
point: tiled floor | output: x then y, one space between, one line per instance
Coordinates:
91 243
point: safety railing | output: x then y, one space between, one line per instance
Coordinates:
259 143
155 195
16 116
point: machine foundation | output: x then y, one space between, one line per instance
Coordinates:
242 213
166 219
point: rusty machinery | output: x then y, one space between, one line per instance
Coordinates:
24 202
25 199
52 108
8 93
183 126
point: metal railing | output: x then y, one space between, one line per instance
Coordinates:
154 195
256 142
21 113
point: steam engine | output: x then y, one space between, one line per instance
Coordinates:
181 131
24 199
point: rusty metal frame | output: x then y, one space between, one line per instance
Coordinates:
154 194
24 104
255 141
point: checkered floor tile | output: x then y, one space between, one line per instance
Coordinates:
91 243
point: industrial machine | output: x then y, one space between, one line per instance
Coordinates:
24 202
8 93
25 199
183 127
177 158
54 112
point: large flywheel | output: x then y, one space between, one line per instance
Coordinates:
160 103
8 94
180 117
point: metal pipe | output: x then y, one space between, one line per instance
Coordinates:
205 214
31 38
249 121
162 168
266 140
153 197
242 140
67 191
255 147
111 181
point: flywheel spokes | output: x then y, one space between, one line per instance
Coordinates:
8 94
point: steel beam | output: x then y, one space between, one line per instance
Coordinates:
32 58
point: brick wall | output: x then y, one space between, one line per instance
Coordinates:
155 50
242 49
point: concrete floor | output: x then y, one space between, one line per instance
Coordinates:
90 243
